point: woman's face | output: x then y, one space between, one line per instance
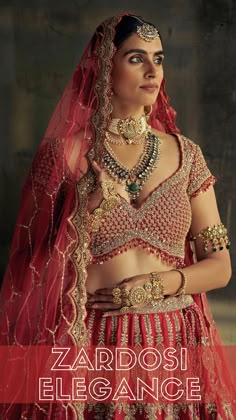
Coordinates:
137 71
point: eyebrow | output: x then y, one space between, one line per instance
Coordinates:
137 50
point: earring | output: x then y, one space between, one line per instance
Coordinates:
147 111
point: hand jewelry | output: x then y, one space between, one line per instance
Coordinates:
110 201
157 283
138 295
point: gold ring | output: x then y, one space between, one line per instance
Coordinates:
116 293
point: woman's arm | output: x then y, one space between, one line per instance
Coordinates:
213 270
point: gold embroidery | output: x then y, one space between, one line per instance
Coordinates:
178 335
148 329
114 324
169 329
91 323
166 411
200 177
103 86
159 335
137 332
165 305
228 411
80 258
79 410
151 225
124 332
101 334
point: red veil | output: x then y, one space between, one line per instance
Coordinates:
43 294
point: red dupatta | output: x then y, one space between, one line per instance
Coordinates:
43 294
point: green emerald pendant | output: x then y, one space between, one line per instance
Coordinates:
133 187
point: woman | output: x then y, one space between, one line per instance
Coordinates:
101 253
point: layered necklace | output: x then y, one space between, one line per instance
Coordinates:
134 178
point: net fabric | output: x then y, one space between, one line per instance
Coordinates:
50 249
43 294
35 300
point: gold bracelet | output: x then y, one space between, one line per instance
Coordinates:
216 236
108 188
181 289
110 200
157 283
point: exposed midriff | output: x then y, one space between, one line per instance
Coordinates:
134 261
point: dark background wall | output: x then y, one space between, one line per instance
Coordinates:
41 42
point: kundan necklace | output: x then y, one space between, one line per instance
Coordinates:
121 141
128 128
134 178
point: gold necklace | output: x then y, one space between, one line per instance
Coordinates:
128 128
121 141
134 178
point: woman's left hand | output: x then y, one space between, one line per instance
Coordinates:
103 298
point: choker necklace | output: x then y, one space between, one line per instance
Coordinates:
121 141
128 128
134 178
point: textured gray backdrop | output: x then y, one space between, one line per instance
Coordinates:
41 42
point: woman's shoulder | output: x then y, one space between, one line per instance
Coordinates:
170 143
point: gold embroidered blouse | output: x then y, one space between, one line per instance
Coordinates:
160 225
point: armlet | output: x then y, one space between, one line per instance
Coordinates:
215 237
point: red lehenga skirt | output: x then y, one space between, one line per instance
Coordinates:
177 322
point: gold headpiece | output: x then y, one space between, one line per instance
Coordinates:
147 32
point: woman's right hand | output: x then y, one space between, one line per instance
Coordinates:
96 196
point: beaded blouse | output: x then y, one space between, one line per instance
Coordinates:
161 224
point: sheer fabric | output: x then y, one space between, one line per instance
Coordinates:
50 248
43 295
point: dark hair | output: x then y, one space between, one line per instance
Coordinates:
126 27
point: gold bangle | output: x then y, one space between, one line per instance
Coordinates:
157 283
181 289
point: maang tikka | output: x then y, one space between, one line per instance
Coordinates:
147 32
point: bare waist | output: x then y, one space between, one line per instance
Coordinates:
132 262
